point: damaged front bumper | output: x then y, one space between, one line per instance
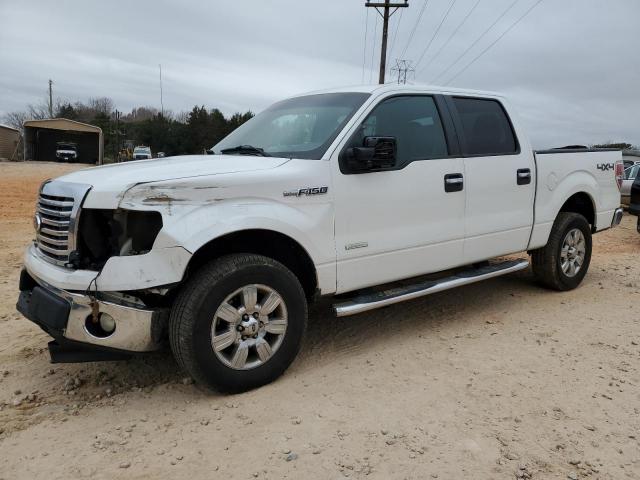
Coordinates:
68 317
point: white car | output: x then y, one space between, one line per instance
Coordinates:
628 177
321 194
142 153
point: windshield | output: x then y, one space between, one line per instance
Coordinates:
632 172
301 127
142 150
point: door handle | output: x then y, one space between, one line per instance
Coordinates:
524 176
453 182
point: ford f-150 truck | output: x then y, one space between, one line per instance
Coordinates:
373 195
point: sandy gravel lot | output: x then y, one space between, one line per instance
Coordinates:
498 380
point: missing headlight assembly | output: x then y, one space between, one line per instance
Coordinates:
103 234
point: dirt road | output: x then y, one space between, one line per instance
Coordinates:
497 380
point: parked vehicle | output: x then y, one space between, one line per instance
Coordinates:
161 155
634 200
66 152
125 154
343 192
142 153
629 175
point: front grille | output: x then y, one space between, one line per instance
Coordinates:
57 210
53 236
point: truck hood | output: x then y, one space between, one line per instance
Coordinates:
109 182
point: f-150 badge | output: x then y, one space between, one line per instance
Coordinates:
306 191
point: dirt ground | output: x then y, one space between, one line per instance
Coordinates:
497 380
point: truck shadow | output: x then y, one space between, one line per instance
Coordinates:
330 339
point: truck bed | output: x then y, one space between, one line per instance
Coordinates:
559 172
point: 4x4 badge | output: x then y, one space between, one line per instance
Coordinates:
606 166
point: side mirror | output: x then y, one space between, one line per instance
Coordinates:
377 153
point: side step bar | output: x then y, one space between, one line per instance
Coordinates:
366 302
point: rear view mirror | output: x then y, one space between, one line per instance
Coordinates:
377 153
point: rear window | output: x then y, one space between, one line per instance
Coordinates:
485 127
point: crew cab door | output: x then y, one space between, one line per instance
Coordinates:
403 216
499 179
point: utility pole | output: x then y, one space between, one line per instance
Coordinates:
386 14
117 152
402 68
50 98
161 103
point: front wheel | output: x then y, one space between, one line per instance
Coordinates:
238 322
564 261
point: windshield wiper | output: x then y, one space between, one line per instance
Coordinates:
246 150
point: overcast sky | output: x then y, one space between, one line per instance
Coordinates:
572 67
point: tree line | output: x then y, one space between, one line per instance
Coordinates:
187 132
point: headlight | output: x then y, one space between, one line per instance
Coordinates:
103 234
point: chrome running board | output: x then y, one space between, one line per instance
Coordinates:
366 302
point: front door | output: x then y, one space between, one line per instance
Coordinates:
407 218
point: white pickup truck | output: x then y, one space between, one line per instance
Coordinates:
66 152
378 194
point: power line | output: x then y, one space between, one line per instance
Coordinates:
393 42
494 42
364 47
415 26
476 41
373 50
435 34
444 45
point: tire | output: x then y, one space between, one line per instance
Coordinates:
263 345
548 262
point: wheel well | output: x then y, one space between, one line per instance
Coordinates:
581 203
271 244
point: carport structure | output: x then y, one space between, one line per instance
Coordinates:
9 139
42 136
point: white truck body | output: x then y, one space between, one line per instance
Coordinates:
358 230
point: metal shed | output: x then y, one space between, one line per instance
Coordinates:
42 136
9 139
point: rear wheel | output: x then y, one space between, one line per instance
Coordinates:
564 261
238 322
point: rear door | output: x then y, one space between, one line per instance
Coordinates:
499 179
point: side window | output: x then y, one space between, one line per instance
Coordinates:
414 122
485 126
